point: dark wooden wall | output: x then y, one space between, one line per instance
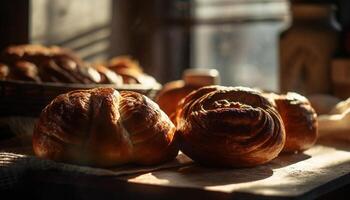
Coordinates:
150 32
14 22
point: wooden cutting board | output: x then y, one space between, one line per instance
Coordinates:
308 175
317 171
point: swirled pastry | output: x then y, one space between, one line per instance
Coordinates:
229 126
300 121
102 127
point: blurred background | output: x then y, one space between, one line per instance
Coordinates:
240 38
274 45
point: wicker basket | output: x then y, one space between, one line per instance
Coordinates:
20 98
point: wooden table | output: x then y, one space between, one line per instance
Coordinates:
309 175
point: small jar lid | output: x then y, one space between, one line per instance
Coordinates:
312 10
201 77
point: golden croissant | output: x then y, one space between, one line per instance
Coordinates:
104 127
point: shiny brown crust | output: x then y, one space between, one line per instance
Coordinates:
121 63
108 76
170 96
130 76
53 64
229 127
126 67
26 71
102 127
130 70
4 71
300 121
134 77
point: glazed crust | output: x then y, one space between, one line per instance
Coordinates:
51 64
300 121
130 70
108 76
229 127
55 64
102 127
120 63
171 94
4 71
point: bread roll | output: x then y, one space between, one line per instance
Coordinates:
131 71
102 127
300 121
173 92
53 64
133 77
4 71
108 76
26 71
229 127
120 63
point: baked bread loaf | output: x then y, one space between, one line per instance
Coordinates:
4 71
48 64
54 64
108 76
103 127
170 95
192 79
121 63
130 70
229 127
300 121
23 70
